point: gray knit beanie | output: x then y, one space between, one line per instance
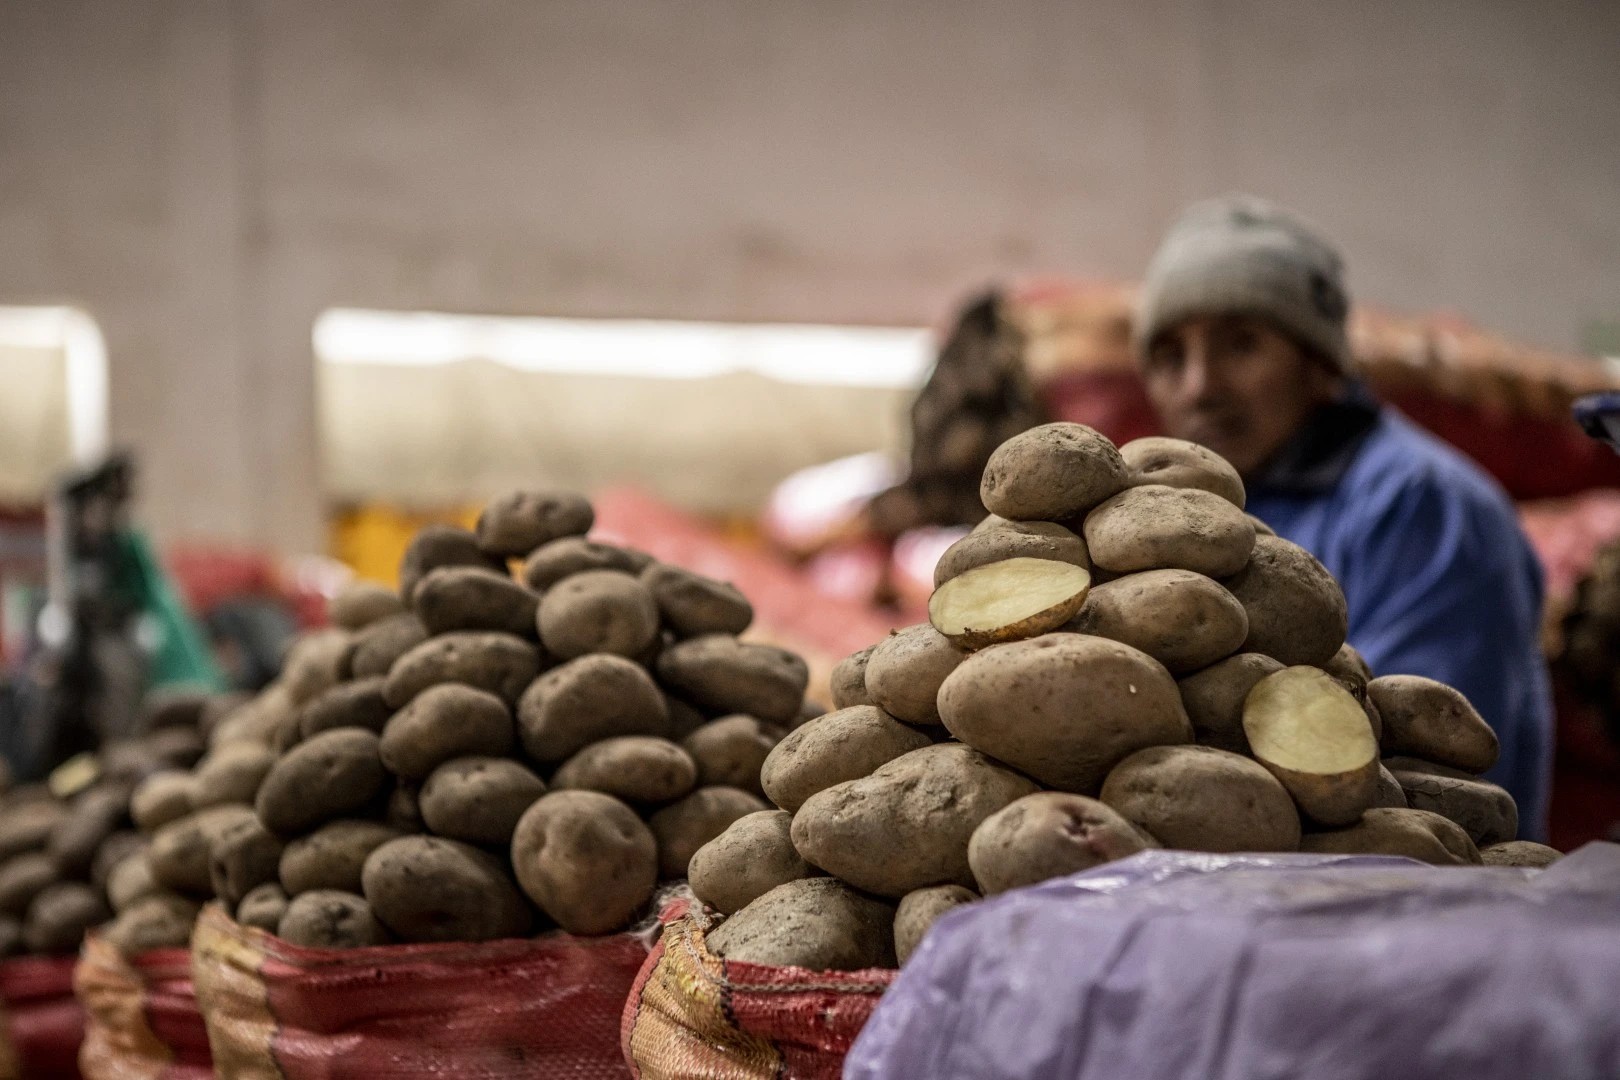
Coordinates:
1242 255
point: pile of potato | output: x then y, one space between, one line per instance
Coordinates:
483 754
1587 652
1118 658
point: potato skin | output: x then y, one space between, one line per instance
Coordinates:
843 745
1214 699
816 923
1155 527
332 775
444 722
478 800
1390 792
357 703
245 856
693 605
683 827
559 559
906 669
379 645
361 603
908 824
317 661
1015 702
720 673
93 817
130 882
1430 720
1520 853
587 700
848 681
598 611
919 910
1011 540
636 768
729 751
1046 835
1182 619
440 545
516 523
59 916
503 664
1197 798
162 921
230 774
23 877
331 919
119 846
331 857
1181 464
1486 812
1416 834
1296 611
753 856
455 598
427 888
586 859
181 851
27 826
1053 472
263 907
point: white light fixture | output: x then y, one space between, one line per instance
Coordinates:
75 334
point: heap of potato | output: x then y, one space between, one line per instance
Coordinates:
1118 658
1587 652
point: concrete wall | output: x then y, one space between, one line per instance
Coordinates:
205 177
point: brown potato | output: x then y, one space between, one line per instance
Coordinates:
181 851
1430 720
1046 835
379 645
331 857
849 679
586 859
1155 527
179 705
636 768
918 912
1296 610
162 921
1008 600
503 664
245 856
402 811
815 923
317 661
59 916
1260 527
1214 699
259 720
1520 853
332 775
753 856
517 523
119 846
1054 472
179 747
682 827
692 604
427 888
92 818
1180 464
906 670
587 700
11 943
447 721
361 603
719 672
559 559
27 826
263 907
1415 834
22 877
1011 540
843 745
907 825
1350 669
230 774
1390 793
478 800
1403 763
131 882
359 703
1197 798
474 598
1486 812
331 919
217 709
1064 708
729 751
441 545
1308 730
1183 620
598 611
683 717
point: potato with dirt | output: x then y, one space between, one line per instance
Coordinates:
1297 614
361 603
1011 540
515 524
720 673
503 664
263 907
1155 527
163 921
455 598
478 800
317 661
336 774
635 768
817 923
1053 472
331 857
1063 708
729 751
59 916
436 546
443 722
182 851
1214 699
753 856
919 910
92 817
843 745
906 670
1525 853
588 700
586 859
1486 812
245 856
358 703
1184 620
378 646
428 888
684 826
23 877
230 774
131 881
693 605
1046 835
563 558
331 919
598 611
27 826
1180 464
1427 719
1415 834
848 680
1197 798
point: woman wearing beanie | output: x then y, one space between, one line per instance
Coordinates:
1240 332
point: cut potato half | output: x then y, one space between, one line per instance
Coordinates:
1008 601
1314 737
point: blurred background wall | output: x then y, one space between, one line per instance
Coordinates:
205 177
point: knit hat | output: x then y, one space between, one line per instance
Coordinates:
1243 256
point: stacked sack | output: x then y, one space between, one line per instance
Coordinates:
1118 658
484 755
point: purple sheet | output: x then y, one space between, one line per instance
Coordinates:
1174 965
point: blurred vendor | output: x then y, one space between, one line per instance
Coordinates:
1241 336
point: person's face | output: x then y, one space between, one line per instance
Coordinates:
1235 385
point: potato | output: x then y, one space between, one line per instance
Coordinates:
178 705
1350 669
517 523
1260 527
245 856
119 846
586 859
163 921
26 826
478 800
231 774
474 598
559 559
403 811
1390 793
331 919
181 851
92 818
22 877
729 751
503 664
256 721
1046 835
1007 601
1296 611
178 747
427 888
317 661
130 882
360 603
849 679
587 700
636 768
1012 540
378 646
843 745
11 943
1054 472
59 916
753 856
1520 853
332 775
263 907
1430 720
1155 527
359 703
719 672
1415 834
1064 708
682 827
1401 763
815 923
1309 731
443 722
1486 812
1214 699
808 710
693 605
683 717
1197 798
1180 464
441 545
1183 620
598 611
918 911
907 825
906 670
217 709
331 857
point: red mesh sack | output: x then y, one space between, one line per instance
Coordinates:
694 1016
43 1019
141 1016
545 1008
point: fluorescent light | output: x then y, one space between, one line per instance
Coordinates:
75 334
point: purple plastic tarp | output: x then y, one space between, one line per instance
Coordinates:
1174 965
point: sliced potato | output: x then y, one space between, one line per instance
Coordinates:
1008 600
1313 736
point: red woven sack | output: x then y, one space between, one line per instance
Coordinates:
141 1016
547 1007
43 1019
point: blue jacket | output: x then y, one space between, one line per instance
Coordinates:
1439 578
